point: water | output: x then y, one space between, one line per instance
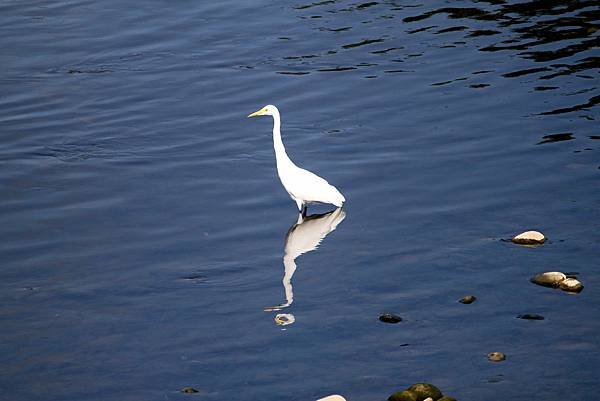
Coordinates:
144 228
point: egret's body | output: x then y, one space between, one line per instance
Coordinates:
302 185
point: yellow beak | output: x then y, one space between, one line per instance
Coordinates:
257 113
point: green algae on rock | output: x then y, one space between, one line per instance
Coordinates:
404 395
424 390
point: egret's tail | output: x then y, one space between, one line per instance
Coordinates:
338 199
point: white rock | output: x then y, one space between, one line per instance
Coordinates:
334 397
549 279
428 399
571 285
283 319
529 238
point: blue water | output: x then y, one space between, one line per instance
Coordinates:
143 227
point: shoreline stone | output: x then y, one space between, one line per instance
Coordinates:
390 318
334 397
571 285
404 395
468 299
425 390
548 279
496 356
529 238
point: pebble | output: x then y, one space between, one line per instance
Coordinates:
529 238
468 299
531 316
283 319
496 356
334 397
390 318
549 279
189 390
571 285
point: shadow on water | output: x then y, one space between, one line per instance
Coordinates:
567 136
304 236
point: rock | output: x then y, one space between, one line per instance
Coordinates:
446 398
496 356
571 285
424 390
548 279
405 395
188 390
529 238
390 318
531 316
467 299
334 397
428 399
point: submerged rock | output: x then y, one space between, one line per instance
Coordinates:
334 397
496 356
529 238
549 279
390 318
468 299
531 316
424 390
446 398
405 395
188 390
571 285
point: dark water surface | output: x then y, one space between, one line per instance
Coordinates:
143 227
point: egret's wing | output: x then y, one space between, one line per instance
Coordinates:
313 188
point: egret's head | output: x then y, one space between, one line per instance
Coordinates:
268 110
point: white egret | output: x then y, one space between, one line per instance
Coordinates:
303 186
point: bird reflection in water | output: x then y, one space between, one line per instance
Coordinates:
304 236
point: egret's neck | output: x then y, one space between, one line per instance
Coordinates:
280 153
